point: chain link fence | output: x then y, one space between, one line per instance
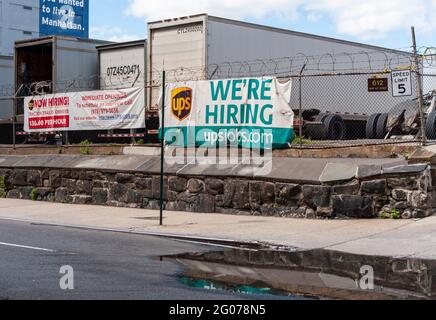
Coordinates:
339 100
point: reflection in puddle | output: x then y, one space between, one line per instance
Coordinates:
316 273
234 288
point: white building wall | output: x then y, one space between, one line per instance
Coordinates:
19 20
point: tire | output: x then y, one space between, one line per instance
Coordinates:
319 132
382 126
431 126
335 128
371 126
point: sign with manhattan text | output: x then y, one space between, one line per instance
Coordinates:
64 17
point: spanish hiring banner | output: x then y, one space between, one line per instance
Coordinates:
92 110
248 112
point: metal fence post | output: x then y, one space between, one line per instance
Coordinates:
300 98
162 151
420 91
14 120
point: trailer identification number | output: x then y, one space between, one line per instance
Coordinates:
120 71
402 83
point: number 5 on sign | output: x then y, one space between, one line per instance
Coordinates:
402 83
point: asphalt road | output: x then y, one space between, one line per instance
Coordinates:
106 265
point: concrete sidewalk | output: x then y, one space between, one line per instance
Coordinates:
399 238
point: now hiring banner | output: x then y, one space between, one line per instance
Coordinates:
249 112
91 110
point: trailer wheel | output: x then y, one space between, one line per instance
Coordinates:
335 128
431 126
382 126
371 126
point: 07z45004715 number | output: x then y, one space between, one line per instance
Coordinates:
122 71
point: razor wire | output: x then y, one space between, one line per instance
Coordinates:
363 61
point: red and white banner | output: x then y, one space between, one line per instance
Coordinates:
92 110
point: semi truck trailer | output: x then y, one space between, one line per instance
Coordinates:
122 65
56 64
334 107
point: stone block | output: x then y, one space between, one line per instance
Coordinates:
84 187
85 175
118 192
374 187
353 206
316 196
288 194
25 192
124 178
19 178
196 186
70 185
406 169
81 199
406 182
61 195
336 172
262 193
348 189
241 195
368 171
13 194
100 196
324 212
420 200
214 186
54 179
177 184
401 194
156 187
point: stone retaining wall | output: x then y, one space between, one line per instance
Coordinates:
401 192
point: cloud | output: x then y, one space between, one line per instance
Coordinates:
373 19
369 19
114 34
236 9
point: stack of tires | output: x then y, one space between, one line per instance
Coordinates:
376 127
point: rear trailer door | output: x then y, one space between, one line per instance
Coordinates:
180 50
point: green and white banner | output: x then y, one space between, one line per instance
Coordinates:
250 112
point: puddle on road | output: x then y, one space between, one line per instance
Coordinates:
316 274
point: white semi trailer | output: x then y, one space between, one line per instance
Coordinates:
122 65
56 64
204 47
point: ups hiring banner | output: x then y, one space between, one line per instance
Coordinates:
248 112
92 110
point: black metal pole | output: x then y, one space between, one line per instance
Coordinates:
162 151
14 122
300 98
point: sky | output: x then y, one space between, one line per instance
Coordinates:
383 23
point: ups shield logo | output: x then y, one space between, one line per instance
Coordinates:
181 102
31 105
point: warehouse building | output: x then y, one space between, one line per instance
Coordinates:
19 20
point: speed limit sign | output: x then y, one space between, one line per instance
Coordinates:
402 83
